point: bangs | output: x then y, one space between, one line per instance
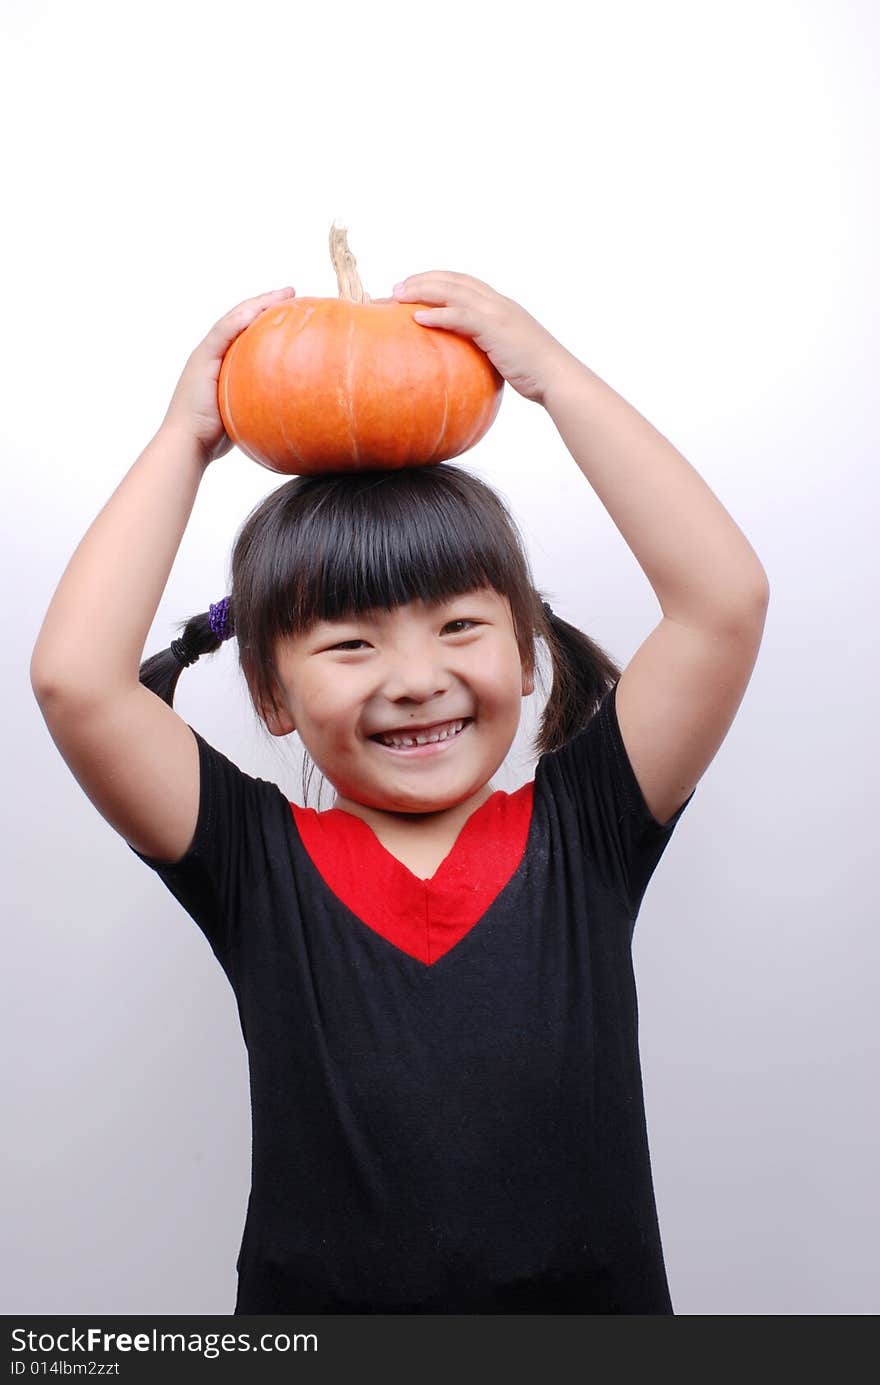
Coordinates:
382 539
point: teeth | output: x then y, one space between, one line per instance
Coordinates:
426 738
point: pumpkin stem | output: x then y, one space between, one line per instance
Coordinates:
345 264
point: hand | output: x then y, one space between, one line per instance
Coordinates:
519 348
194 408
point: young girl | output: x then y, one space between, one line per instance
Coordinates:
434 977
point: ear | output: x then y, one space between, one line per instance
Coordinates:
278 724
528 684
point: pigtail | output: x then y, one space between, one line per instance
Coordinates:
202 634
582 674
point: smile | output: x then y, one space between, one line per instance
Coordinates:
430 747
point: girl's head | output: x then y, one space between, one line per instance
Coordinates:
421 576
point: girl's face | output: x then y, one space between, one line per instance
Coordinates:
345 681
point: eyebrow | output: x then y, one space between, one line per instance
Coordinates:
366 618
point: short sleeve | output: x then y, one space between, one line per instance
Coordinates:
598 796
236 814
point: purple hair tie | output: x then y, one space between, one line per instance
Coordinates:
219 618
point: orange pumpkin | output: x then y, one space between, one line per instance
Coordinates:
353 383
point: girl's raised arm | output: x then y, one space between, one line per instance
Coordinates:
92 638
132 755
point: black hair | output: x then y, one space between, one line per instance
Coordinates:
337 544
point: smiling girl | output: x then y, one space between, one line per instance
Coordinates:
434 977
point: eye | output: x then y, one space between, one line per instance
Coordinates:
349 644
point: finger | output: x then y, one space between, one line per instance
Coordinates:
453 319
252 307
243 314
438 284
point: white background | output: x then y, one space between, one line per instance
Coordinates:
684 195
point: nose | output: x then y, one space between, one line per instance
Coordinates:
415 676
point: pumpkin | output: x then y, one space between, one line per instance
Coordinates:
353 383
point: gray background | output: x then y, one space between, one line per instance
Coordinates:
684 195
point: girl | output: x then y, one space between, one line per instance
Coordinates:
434 977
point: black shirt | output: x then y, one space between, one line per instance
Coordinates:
446 1095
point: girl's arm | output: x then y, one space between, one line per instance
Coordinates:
678 695
131 754
91 641
680 692
702 568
